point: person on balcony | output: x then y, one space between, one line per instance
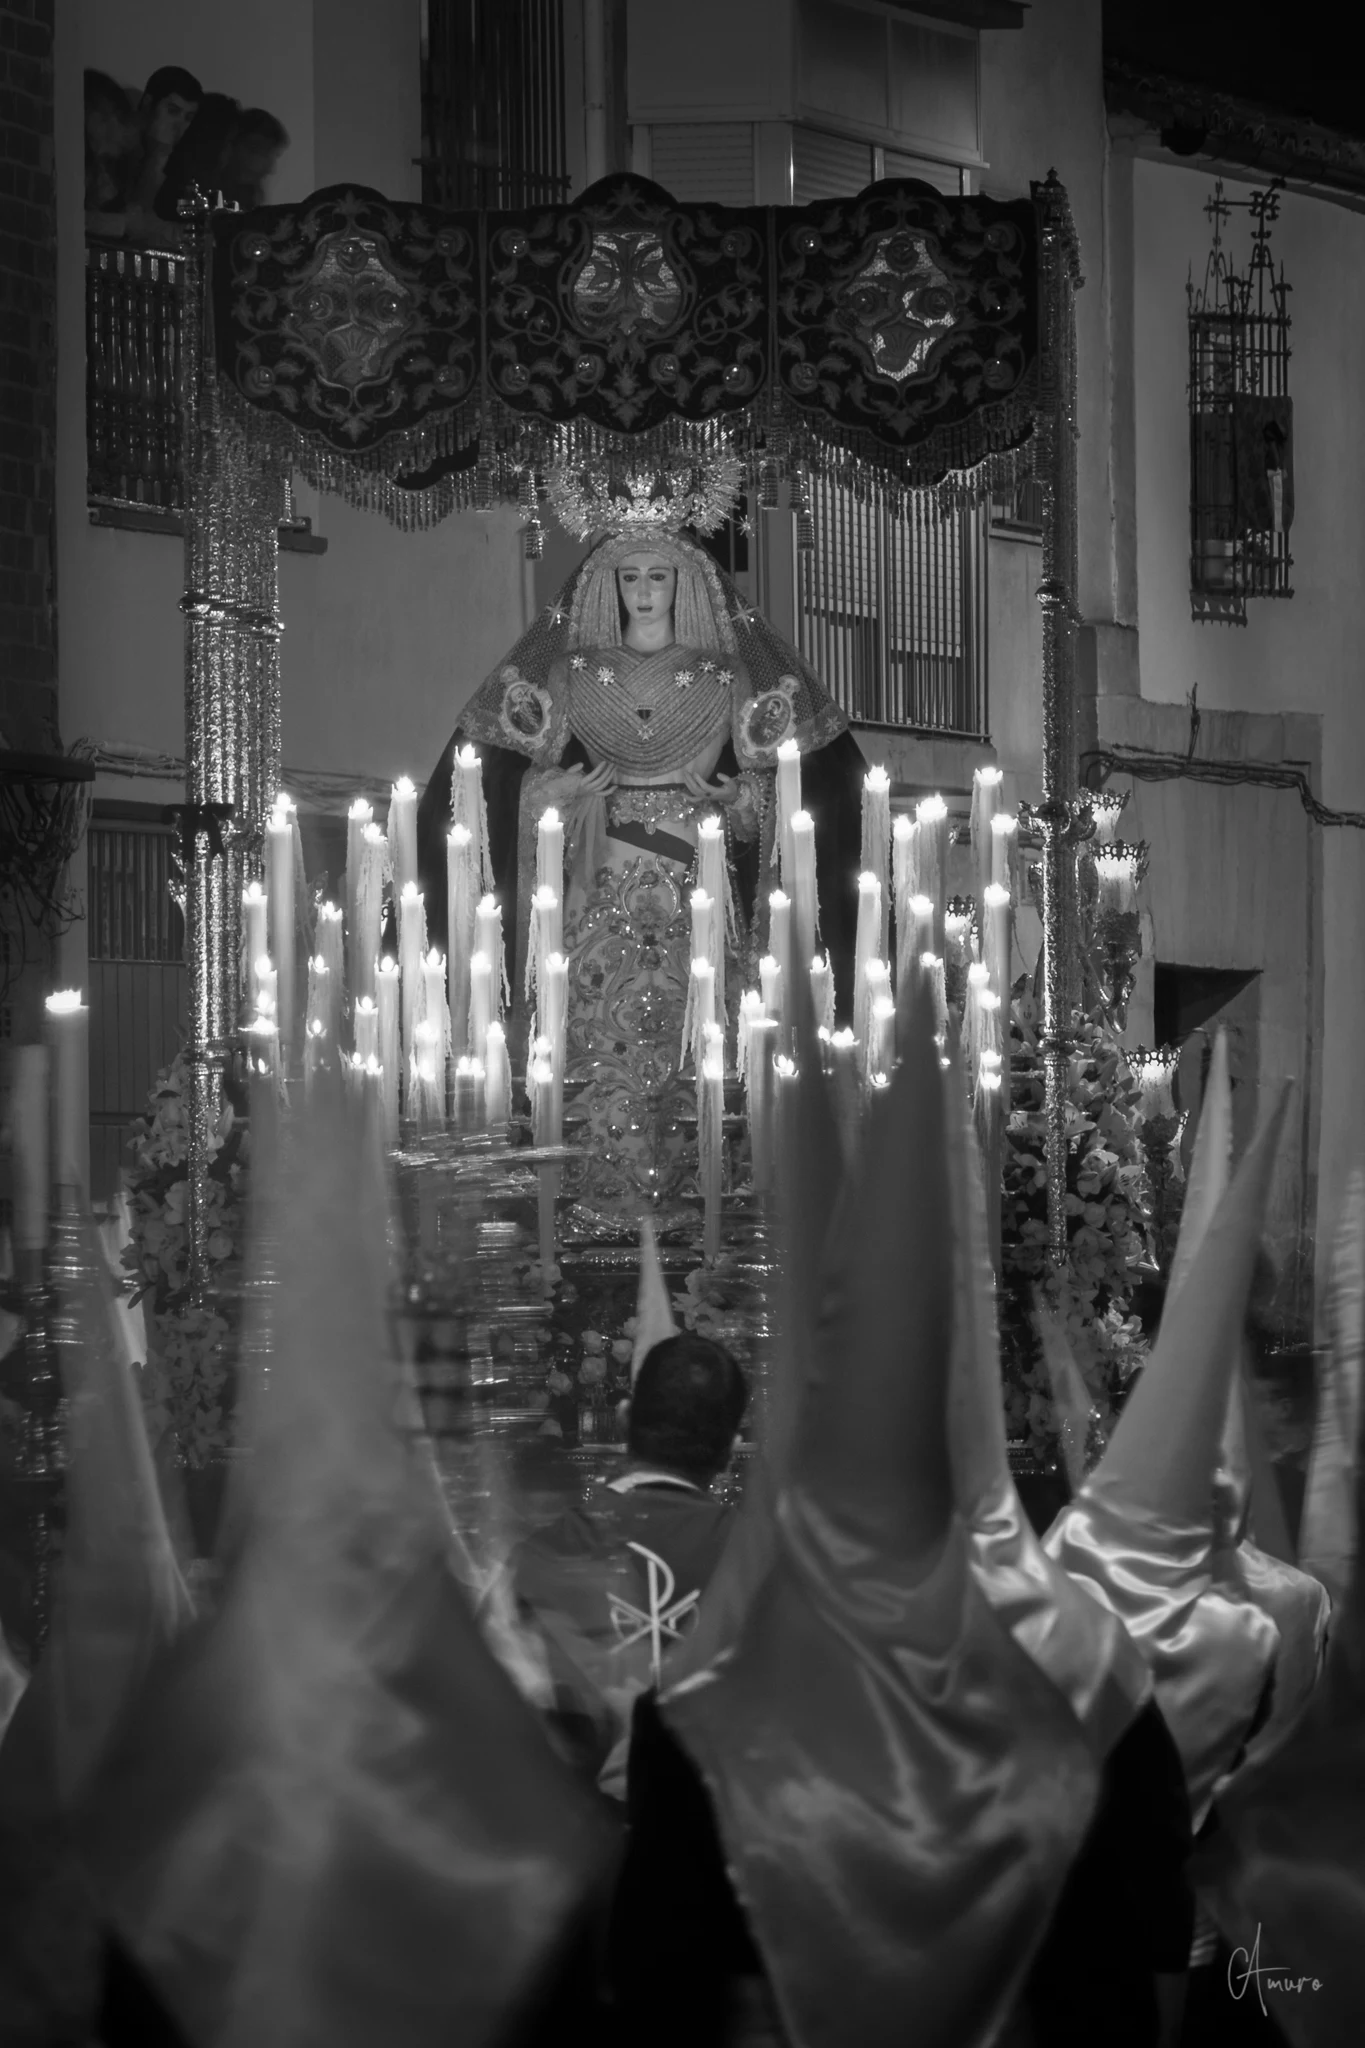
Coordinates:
169 103
111 142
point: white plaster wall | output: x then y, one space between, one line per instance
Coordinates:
387 633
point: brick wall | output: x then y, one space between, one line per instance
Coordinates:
28 373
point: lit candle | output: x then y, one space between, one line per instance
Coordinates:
784 1082
319 1005
467 808
780 950
712 882
750 1006
700 1014
263 1047
540 1080
931 854
330 943
480 1003
981 1020
702 914
805 906
412 946
488 941
822 991
1116 871
881 1044
760 1089
469 1095
845 1054
497 1078
770 981
931 967
711 1136
255 942
263 979
919 933
876 988
904 887
957 951
434 1012
279 835
876 848
427 1077
1004 835
366 1023
547 933
986 797
358 817
553 1012
390 1051
30 1145
865 948
995 936
788 804
550 852
403 835
369 911
314 1052
461 911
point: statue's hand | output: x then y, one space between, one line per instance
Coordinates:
724 790
599 779
567 785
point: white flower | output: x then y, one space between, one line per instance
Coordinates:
683 678
576 661
726 675
605 675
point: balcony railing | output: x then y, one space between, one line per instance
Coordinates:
132 375
891 610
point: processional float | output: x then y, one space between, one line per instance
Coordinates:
420 362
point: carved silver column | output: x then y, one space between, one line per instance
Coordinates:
234 501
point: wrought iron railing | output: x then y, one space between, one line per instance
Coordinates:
891 610
137 980
493 103
132 375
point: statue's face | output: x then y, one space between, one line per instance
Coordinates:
647 583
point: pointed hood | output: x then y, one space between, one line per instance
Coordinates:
654 1322
335 1819
899 1790
1081 1646
1328 1528
1141 1529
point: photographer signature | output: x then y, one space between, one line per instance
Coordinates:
1245 1965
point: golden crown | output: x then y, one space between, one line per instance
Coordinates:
697 491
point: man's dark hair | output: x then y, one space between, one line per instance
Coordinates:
256 125
688 1401
171 78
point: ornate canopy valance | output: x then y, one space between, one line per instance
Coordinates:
422 360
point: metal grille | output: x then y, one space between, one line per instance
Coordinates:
891 610
493 103
1241 423
137 982
132 375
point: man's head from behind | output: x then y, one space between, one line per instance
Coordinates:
687 1404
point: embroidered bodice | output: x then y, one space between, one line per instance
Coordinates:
650 714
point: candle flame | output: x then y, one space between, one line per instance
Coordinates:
253 893
487 905
1004 822
411 894
990 778
479 963
360 810
779 900
318 964
997 895
544 899
64 1002
469 1070
904 827
802 821
459 836
700 900
389 968
701 968
710 826
786 1068
883 1008
921 906
282 806
986 1079
556 963
435 961
467 758
928 961
988 999
876 780
496 1033
789 750
329 913
978 974
374 836
931 810
365 1006
867 882
819 963
405 787
317 1029
549 820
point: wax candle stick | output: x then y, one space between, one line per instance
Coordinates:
699 1016
780 950
770 981
805 904
995 937
881 1042
469 1096
319 1003
550 852
784 1085
358 817
461 911
846 1061
279 834
931 967
931 853
711 858
957 952
263 980
546 934
788 804
876 847
750 1006
987 791
329 943
412 946
822 991
434 1012
497 1078
403 835
255 938
710 1136
30 1113
488 940
553 1010
1004 839
387 999
363 939
865 948
904 887
876 988
480 1004
263 1047
365 1023
468 808
427 1076
314 1053
760 1092
540 1076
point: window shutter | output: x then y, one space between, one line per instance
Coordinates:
704 160
828 166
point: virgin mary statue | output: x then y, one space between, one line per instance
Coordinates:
647 697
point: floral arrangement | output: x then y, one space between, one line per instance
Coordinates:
1110 1237
186 1384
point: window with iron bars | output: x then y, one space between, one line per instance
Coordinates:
891 609
1241 423
493 103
